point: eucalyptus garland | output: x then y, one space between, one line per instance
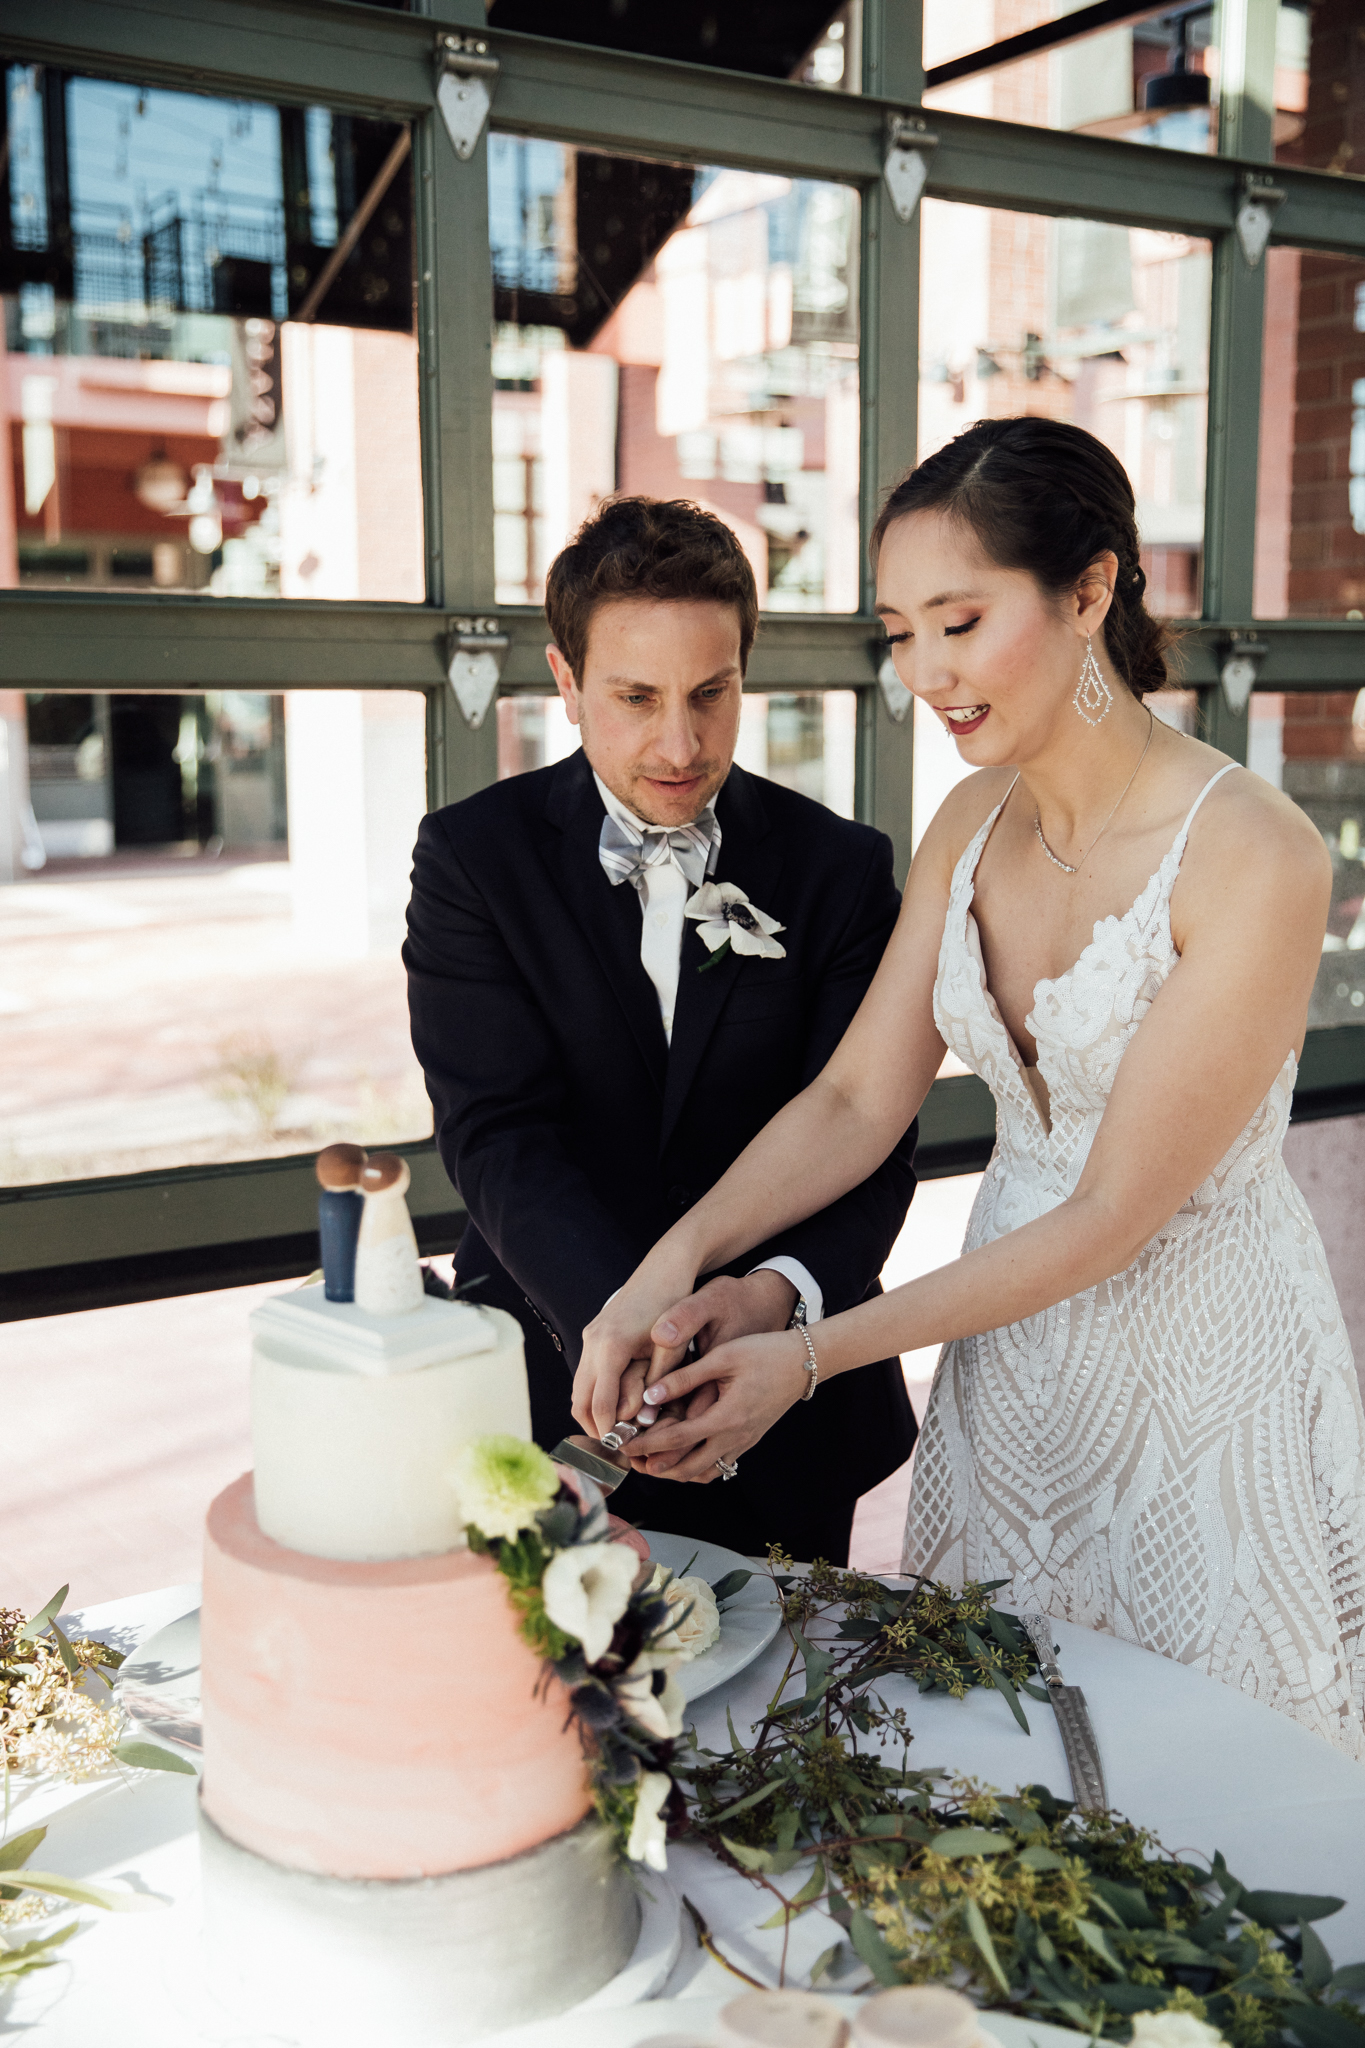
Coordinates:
1025 1902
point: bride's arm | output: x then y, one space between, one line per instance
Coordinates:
1251 909
825 1141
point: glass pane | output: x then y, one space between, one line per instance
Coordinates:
1104 326
1152 81
806 742
782 41
1320 88
1310 492
211 382
678 332
1311 744
199 958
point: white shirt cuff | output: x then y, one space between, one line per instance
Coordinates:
806 1287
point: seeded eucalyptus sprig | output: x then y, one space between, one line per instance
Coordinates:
1025 1902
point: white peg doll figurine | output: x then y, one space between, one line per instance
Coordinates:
388 1275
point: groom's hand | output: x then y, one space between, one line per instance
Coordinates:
722 1310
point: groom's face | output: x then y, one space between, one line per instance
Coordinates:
658 701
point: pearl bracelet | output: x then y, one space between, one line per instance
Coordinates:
812 1366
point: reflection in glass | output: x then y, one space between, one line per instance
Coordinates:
206 966
1104 326
680 333
208 368
1310 510
1312 745
1153 81
807 742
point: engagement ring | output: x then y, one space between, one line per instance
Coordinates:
727 1471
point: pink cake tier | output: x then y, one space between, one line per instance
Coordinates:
374 1720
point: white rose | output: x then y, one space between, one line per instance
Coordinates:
586 1590
1173 2030
648 1831
686 1637
659 1713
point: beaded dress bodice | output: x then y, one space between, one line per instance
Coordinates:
1176 1456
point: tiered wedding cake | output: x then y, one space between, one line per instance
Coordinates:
395 1816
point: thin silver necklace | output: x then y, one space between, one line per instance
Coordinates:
1065 865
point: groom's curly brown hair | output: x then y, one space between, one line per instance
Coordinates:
647 547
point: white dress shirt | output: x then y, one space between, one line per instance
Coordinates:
663 892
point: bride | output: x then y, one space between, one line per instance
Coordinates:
1145 1413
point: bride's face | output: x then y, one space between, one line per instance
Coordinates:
992 655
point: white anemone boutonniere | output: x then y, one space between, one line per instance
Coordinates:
729 922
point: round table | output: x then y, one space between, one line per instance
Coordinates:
1194 1761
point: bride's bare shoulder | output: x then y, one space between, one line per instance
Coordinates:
961 815
1248 828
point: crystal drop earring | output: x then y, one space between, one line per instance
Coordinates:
1093 698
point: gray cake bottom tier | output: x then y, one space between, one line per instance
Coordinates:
426 1963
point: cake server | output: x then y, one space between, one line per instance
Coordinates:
1073 1720
596 1461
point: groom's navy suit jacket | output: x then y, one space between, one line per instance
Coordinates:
576 1135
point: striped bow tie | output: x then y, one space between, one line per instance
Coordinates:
626 851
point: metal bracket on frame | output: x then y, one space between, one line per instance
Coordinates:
475 652
466 73
1242 655
909 141
1261 197
895 696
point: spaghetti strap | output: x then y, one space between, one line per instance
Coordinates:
1194 807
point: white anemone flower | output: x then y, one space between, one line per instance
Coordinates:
694 1618
586 1590
1174 2030
648 1841
724 912
658 1712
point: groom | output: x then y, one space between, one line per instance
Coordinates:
595 1068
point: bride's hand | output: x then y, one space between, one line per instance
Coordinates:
756 1380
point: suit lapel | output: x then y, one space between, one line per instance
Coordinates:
609 917
751 857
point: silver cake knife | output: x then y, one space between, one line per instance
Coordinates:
1073 1720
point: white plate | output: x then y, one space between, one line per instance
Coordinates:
691 2023
748 1622
159 1685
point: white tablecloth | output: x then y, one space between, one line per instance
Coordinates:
1200 1765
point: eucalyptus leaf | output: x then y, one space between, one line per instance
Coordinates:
1350 1980
1318 2026
35 1954
866 1937
1316 1962
1282 1909
750 1799
750 1858
956 1842
1095 1938
981 1935
732 1583
1002 1684
20 1847
35 1625
86 1894
149 1756
824 1963
1037 1857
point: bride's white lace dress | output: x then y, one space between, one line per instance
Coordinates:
1176 1456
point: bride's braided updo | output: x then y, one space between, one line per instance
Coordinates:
1046 497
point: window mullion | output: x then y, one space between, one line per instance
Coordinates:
455 288
1237 321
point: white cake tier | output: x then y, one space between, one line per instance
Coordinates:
357 1420
433 1963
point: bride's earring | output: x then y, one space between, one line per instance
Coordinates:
1093 696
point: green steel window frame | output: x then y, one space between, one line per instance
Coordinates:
77 1244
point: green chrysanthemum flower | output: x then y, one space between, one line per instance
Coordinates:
503 1483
